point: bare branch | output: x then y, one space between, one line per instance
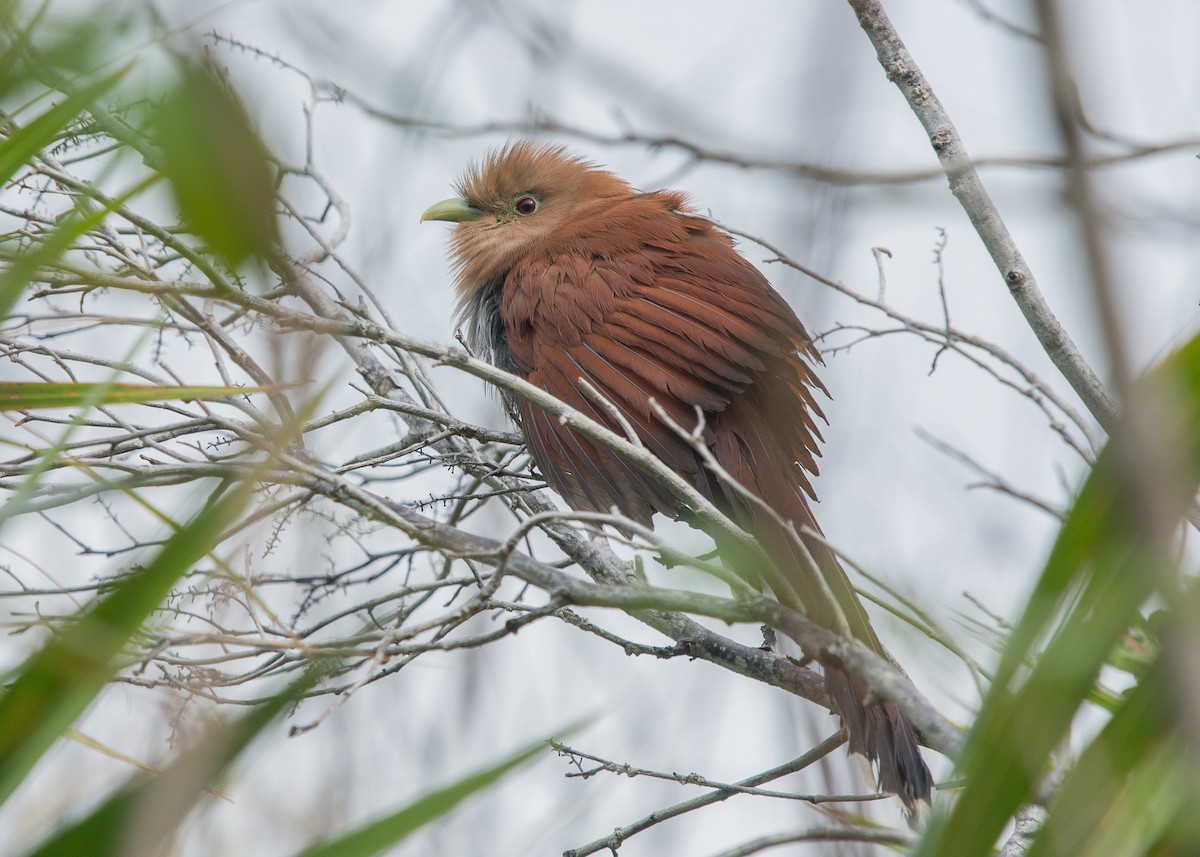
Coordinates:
614 840
967 187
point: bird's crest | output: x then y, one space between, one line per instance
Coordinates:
525 166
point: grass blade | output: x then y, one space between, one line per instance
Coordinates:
30 396
56 684
376 836
141 817
1102 568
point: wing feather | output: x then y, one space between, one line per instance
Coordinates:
679 351
670 312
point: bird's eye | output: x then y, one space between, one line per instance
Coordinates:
526 205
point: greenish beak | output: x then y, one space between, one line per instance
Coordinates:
454 210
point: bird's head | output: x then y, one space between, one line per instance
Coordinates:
518 197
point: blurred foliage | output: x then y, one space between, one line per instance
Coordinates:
217 165
194 134
1114 552
22 396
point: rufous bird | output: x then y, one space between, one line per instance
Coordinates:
567 275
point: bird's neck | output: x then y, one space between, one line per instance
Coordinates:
478 316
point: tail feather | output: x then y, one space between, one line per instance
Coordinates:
750 444
882 734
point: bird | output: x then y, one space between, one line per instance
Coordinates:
628 304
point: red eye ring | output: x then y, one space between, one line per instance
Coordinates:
526 205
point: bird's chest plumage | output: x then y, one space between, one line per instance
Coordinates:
483 325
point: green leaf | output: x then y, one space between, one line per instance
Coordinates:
376 836
140 817
85 217
56 684
1102 568
17 150
30 396
20 146
218 167
1109 783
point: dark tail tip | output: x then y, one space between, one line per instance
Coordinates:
886 737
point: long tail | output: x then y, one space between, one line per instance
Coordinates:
882 734
877 731
813 582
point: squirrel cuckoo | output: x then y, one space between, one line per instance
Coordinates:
565 275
